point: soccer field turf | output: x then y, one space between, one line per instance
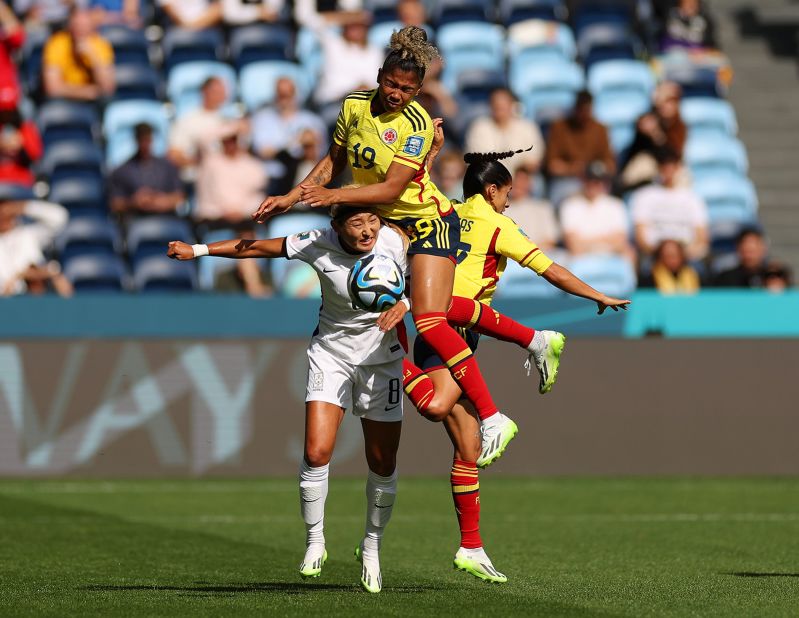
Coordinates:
570 547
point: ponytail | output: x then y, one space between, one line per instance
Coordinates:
485 169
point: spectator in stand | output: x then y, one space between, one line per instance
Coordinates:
688 26
752 262
594 221
125 12
200 129
20 145
23 267
777 277
350 62
506 130
281 133
667 211
78 63
241 12
448 171
193 14
671 273
317 14
146 184
573 143
434 96
43 13
412 13
659 128
12 36
535 216
230 183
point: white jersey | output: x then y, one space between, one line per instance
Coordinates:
350 333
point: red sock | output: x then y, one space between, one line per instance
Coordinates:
453 350
417 385
480 318
466 495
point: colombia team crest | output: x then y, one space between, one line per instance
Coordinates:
389 136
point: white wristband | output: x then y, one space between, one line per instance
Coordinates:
199 250
407 302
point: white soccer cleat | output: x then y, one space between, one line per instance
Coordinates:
496 434
315 558
476 562
371 578
545 353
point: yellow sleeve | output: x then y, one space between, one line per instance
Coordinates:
56 51
414 140
514 244
341 130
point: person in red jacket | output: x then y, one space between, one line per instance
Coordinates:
20 145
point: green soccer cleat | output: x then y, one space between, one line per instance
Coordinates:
477 563
546 358
312 563
495 437
371 578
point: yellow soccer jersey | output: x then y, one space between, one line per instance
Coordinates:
374 143
488 239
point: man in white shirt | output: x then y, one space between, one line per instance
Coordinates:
536 217
505 130
666 211
594 221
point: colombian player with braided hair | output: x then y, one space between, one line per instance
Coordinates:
488 238
385 136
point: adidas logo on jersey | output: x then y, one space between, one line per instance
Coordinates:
427 245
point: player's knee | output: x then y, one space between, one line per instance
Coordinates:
382 464
317 455
435 412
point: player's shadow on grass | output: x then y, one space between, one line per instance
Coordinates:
253 587
761 574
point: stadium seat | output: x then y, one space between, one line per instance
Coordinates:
592 12
88 236
621 76
449 11
292 278
66 121
469 46
210 267
695 81
476 85
602 42
308 51
130 46
612 274
381 10
257 82
72 160
709 115
514 11
149 236
550 86
94 273
520 282
541 41
11 192
715 154
256 42
137 81
31 65
160 274
621 110
118 122
82 197
185 80
380 33
469 112
181 45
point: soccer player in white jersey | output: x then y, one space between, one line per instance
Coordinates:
353 365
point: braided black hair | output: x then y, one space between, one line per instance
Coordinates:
485 169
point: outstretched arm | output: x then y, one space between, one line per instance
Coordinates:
236 248
323 172
397 178
566 281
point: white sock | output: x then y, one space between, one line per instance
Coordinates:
381 491
477 553
538 342
493 420
313 493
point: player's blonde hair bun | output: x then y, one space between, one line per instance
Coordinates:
411 44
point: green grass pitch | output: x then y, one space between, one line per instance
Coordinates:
570 547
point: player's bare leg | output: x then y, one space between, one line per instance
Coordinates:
381 441
322 421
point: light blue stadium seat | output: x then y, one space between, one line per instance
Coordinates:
619 111
88 236
257 82
541 42
731 205
66 121
185 80
469 46
294 278
210 267
308 51
621 76
552 85
612 274
160 274
118 122
715 154
151 235
519 282
621 137
82 197
515 11
709 114
94 273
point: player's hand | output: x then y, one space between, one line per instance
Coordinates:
180 251
272 205
390 318
438 142
316 196
613 303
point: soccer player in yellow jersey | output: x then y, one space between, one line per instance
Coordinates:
384 137
488 240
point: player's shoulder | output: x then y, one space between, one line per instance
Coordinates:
358 98
416 118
